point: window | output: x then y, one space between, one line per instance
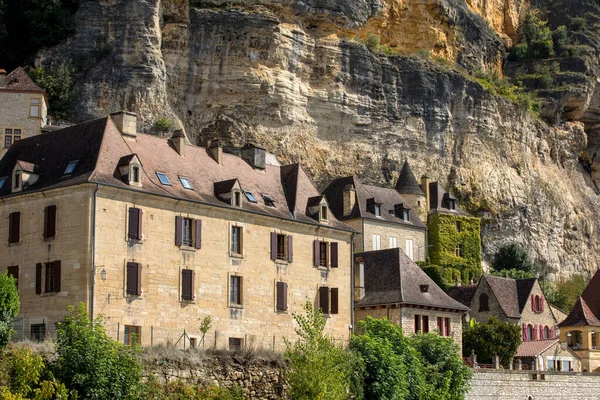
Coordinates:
417 323
530 332
325 254
188 232
410 251
281 247
134 229
281 290
235 344
51 277
3 181
268 200
185 182
193 343
440 326
187 284
484 302
236 240
235 290
134 279
393 242
70 167
14 227
329 300
38 332
162 177
324 216
14 272
34 108
425 323
250 196
406 215
421 323
446 326
424 288
376 242
458 226
451 204
11 136
17 181
133 335
537 303
49 222
378 210
135 174
236 199
458 250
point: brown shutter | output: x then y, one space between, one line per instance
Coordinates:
281 296
324 299
56 275
334 301
38 278
139 279
14 227
273 246
49 221
316 253
135 223
290 245
178 230
186 284
198 237
140 213
134 278
334 254
14 272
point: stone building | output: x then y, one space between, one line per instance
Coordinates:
156 234
24 108
548 355
581 329
382 216
388 284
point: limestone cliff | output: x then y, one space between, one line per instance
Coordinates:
295 77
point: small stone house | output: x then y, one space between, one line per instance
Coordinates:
548 355
388 284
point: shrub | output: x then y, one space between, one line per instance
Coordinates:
560 38
536 39
163 124
578 24
513 273
512 256
9 307
494 338
58 83
444 277
564 293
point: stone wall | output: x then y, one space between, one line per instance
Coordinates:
14 114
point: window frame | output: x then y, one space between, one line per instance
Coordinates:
163 178
250 196
236 294
187 231
17 180
323 213
268 200
185 182
14 227
376 244
236 244
458 250
132 334
393 242
33 105
42 332
410 248
8 137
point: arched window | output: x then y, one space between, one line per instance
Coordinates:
484 302
536 304
530 332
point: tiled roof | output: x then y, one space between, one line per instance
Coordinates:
99 147
505 291
580 315
407 182
463 294
19 80
387 197
438 200
391 277
533 348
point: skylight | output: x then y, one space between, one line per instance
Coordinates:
71 167
184 181
2 181
162 177
250 196
268 200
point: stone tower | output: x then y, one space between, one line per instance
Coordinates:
409 188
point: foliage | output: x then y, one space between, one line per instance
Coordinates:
444 277
444 238
492 338
445 371
373 43
27 26
564 293
504 88
93 364
205 325
319 369
512 256
9 307
163 124
578 24
180 390
513 273
58 83
536 39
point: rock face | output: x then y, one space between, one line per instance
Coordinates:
294 77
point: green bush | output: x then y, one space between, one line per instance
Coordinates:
513 273
320 369
9 307
512 256
578 24
163 124
58 83
180 390
494 338
564 293
536 39
444 277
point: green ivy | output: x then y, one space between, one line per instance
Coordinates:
444 237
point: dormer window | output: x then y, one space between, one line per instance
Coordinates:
406 215
268 200
236 199
250 196
135 174
402 212
24 175
17 181
378 210
317 209
424 288
374 207
162 177
3 181
230 192
185 182
324 216
70 167
130 169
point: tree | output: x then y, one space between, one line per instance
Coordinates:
92 363
513 273
9 307
57 81
319 369
512 256
494 338
564 294
445 371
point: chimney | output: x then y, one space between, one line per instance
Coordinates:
126 122
349 199
178 140
216 151
425 181
2 78
359 280
255 155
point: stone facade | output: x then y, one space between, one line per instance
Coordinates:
494 308
584 341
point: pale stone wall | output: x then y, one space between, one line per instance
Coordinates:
545 318
14 113
159 311
402 233
590 358
494 306
71 246
557 352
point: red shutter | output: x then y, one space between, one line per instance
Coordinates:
324 299
49 222
425 323
316 253
552 333
542 332
334 254
281 296
14 272
524 332
535 333
533 308
56 275
38 278
273 246
290 245
447 320
440 326
542 303
178 230
198 237
334 301
14 227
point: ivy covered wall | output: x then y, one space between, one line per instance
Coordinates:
444 237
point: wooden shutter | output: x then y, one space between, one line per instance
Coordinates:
132 231
134 278
334 254
178 230
316 253
542 333
290 245
281 296
552 333
447 326
273 246
198 234
533 303
535 333
334 301
425 323
542 303
56 276
187 284
14 272
49 222
440 326
38 278
14 227
524 332
324 299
